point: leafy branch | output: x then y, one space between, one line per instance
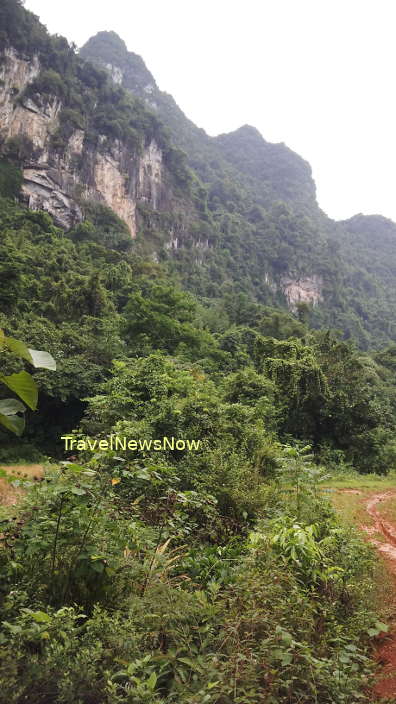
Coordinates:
22 383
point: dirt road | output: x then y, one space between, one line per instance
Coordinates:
382 534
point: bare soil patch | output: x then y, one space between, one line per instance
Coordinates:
10 495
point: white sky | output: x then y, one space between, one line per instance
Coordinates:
318 75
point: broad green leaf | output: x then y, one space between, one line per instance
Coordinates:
36 357
77 468
14 423
10 406
382 626
378 628
287 658
152 681
40 617
190 663
42 359
344 658
282 655
18 348
24 386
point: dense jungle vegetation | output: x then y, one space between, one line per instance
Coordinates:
217 575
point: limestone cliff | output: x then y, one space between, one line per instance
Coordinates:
109 172
302 290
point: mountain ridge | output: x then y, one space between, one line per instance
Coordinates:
227 213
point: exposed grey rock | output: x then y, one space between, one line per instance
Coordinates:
113 175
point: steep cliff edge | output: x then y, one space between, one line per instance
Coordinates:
60 129
272 171
240 171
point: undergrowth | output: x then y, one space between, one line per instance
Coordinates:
108 601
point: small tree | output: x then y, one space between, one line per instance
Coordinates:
22 384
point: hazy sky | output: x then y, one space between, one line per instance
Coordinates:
318 75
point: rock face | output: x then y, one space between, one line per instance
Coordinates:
56 182
304 290
115 72
15 74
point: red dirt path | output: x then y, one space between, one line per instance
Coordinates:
385 686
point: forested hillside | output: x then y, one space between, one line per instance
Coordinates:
189 289
267 235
